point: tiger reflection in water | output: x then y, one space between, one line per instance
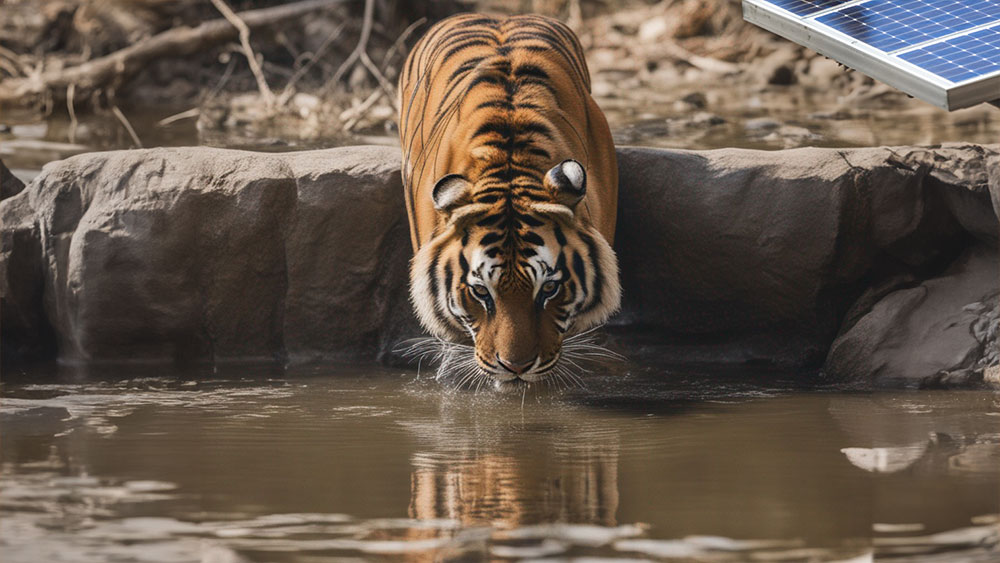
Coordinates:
490 476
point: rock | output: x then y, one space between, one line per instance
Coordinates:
653 29
782 75
924 335
203 254
791 136
348 250
27 334
10 185
761 124
778 68
993 181
215 254
991 375
760 254
964 185
696 100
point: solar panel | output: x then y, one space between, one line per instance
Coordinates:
946 52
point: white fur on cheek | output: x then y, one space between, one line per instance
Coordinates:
611 293
543 260
424 301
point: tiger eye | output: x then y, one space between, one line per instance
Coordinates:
548 287
480 291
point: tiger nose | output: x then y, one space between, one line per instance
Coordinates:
516 367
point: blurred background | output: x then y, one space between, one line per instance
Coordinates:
80 75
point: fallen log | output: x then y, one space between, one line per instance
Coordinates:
176 42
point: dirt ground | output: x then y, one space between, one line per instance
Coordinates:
682 73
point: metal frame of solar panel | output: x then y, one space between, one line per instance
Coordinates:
946 52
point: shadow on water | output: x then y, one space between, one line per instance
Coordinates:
267 465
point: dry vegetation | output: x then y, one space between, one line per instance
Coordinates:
315 69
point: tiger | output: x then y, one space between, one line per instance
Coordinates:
511 185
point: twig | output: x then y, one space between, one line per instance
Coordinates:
382 81
222 81
22 68
73 123
289 89
193 112
128 126
366 31
401 40
177 42
9 67
354 115
709 64
258 73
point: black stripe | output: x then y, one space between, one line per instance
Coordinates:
465 45
497 104
560 237
598 276
531 237
486 79
581 272
501 128
538 151
490 238
528 220
464 68
533 71
489 220
464 264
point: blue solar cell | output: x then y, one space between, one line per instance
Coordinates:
890 25
960 58
806 7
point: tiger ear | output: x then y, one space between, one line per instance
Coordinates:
568 180
451 191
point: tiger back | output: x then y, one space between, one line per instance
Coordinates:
511 187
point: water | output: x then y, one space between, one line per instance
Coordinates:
736 117
354 462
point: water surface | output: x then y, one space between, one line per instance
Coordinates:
355 462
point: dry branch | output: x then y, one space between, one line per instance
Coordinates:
258 73
366 30
177 42
128 126
289 90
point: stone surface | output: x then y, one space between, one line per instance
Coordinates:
200 254
994 183
27 334
765 251
935 333
10 185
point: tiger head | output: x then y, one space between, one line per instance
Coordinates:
516 269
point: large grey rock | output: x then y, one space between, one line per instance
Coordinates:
348 247
214 254
765 251
727 255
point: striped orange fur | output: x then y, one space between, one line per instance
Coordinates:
511 187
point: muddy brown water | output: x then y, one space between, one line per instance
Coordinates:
308 464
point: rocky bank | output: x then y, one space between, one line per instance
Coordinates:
879 265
